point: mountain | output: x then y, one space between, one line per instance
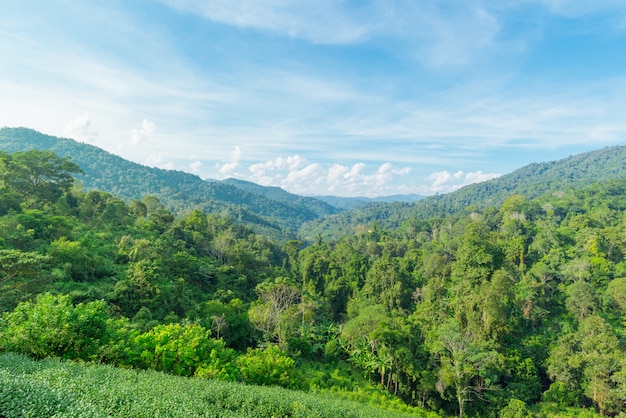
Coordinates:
529 181
354 202
282 215
317 205
269 210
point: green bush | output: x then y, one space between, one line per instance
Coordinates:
268 366
515 409
66 389
52 326
175 348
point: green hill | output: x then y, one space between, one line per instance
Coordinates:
510 311
268 210
530 181
354 202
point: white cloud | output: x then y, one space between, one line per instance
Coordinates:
229 167
297 175
446 182
154 160
195 167
80 129
142 134
320 21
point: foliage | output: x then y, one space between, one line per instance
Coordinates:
269 366
498 311
51 326
51 388
266 210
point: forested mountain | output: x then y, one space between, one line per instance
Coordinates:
316 205
269 210
517 310
354 202
530 181
282 215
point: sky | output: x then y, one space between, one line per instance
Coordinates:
321 97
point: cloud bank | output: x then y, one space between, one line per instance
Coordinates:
298 175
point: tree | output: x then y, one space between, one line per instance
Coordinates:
389 284
581 300
277 310
616 292
515 409
464 361
590 360
14 263
40 174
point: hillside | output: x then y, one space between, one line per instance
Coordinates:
267 210
528 297
354 202
53 388
530 181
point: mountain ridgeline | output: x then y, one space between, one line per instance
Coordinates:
271 211
282 215
529 181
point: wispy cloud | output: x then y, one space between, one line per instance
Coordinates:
577 8
324 21
436 33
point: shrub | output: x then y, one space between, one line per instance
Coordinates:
269 366
52 326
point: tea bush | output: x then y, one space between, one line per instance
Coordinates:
52 388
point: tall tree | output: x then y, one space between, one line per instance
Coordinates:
40 174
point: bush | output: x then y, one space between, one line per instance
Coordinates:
269 366
176 348
561 395
52 326
515 409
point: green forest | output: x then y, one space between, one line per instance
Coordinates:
517 309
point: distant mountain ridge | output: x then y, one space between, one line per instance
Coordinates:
354 202
529 181
270 210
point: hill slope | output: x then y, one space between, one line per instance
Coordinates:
530 181
354 202
264 209
50 387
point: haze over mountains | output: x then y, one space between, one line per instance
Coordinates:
285 215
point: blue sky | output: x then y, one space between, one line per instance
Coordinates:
318 96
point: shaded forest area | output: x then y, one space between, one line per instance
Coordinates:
513 310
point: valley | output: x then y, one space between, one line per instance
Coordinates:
506 298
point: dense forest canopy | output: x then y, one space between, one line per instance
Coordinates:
512 310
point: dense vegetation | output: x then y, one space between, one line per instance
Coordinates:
271 211
530 181
61 389
516 310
